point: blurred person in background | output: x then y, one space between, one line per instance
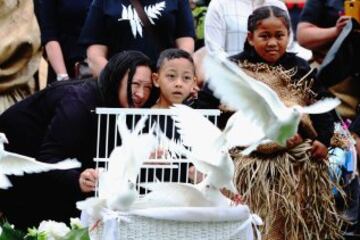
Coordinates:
321 23
226 23
113 26
61 22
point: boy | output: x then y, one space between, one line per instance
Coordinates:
175 77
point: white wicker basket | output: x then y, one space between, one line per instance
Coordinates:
134 226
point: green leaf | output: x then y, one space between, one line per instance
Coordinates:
9 233
77 234
34 234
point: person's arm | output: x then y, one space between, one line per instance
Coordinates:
69 136
215 26
95 36
96 55
186 43
56 59
312 37
49 25
185 30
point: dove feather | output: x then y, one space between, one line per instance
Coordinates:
321 106
4 182
172 195
17 164
195 129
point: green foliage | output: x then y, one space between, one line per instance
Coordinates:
78 234
9 233
34 234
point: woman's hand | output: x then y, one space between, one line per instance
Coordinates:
88 180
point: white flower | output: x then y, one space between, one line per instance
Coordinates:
0 230
54 230
75 223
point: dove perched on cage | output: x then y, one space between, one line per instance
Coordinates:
208 146
17 164
170 194
119 182
257 101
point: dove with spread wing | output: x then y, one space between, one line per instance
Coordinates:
17 164
117 186
208 146
257 102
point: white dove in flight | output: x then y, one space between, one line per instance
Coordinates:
257 101
119 186
17 164
208 146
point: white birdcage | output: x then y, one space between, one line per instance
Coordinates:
232 223
164 166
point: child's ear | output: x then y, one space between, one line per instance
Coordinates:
155 79
250 37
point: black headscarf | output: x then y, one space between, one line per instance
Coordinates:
112 75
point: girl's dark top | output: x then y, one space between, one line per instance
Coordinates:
323 123
56 123
62 21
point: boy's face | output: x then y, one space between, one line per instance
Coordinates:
176 80
270 39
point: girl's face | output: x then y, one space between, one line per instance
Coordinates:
141 87
270 39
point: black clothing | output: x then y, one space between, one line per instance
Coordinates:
50 126
111 23
62 21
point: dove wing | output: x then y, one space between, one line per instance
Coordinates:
321 106
195 129
141 150
242 92
200 163
17 164
126 161
172 194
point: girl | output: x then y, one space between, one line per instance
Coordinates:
278 183
59 122
268 36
